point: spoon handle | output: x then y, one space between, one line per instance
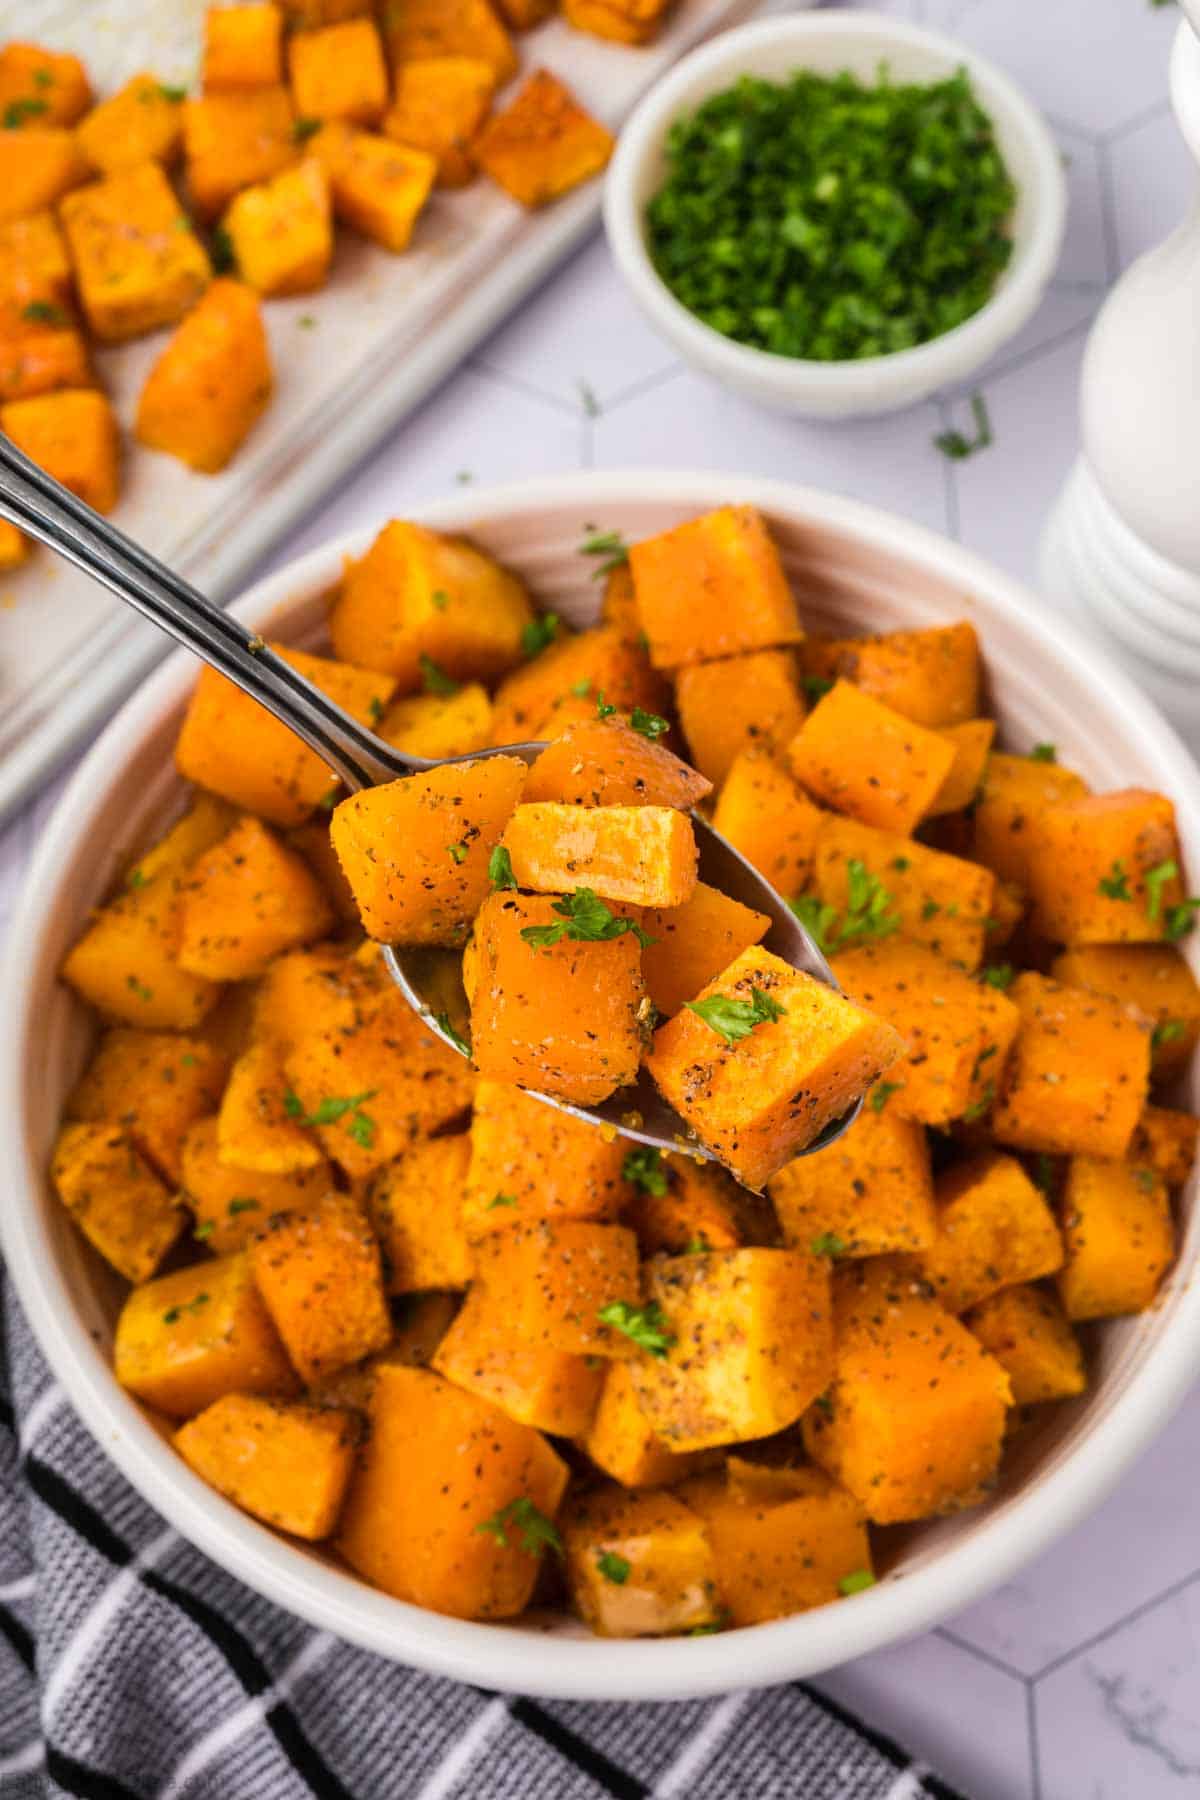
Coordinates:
40 506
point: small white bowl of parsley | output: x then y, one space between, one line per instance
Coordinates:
836 213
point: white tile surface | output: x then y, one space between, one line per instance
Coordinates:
1079 1681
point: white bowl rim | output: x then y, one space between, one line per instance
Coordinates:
868 378
496 1656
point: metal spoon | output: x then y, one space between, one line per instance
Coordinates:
430 980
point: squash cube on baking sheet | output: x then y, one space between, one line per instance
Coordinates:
994 1229
972 745
556 1278
959 1032
452 1501
691 943
417 29
638 1565
41 350
246 900
1119 1238
439 725
1106 868
440 102
211 383
943 901
800 1056
532 1161
415 1208
552 1390
562 1017
621 21
282 231
605 762
543 143
1016 792
637 855
686 1208
914 1422
931 675
34 265
36 169
865 760
138 263
243 48
142 122
416 851
338 72
155 1084
869 1193
564 683
40 87
232 140
1165 1141
415 1083
1156 980
73 435
116 1199
379 187
621 1441
285 1462
782 1545
738 703
184 1340
1079 1072
236 748
321 1278
747 1344
1027 1331
417 598
713 587
257 1126
230 1203
769 819
126 964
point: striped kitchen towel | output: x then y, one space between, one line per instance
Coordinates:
132 1666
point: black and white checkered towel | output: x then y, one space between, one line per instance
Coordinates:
130 1666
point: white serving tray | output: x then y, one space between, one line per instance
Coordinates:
350 360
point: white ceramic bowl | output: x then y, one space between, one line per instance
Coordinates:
829 42
851 566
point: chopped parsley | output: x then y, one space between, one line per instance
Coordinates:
439 599
17 111
604 708
1168 1031
697 1246
613 1567
135 879
242 1206
736 1019
539 634
139 988
979 1107
584 919
958 447
459 852
44 312
816 686
360 1126
500 869
856 1582
1115 885
882 1092
1047 753
435 679
998 975
1180 919
644 1168
224 256
828 1243
645 1326
609 547
448 1029
651 725
167 92
173 1314
303 129
536 1531
868 912
1156 879
500 1200
375 710
205 1230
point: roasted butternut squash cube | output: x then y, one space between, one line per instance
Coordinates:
37 167
185 1340
690 944
685 1207
308 15
782 1545
621 1441
116 1199
1156 980
376 1087
532 1161
283 1461
417 29
127 966
943 901
523 15
73 435
1105 868
619 605
440 103
212 382
738 703
34 265
865 760
713 587
1119 1238
40 86
243 48
138 263
563 1017
747 1344
246 900
543 143
453 1501
959 1032
931 676
322 989
232 140
321 1278
231 1204
419 595
206 821
154 1084
552 1390
1165 1141
557 1278
994 1230
1079 1072
914 1422
142 122
415 1208
440 725
759 1082
234 747
41 350
605 762
282 231
259 1125
1016 792
638 1565
637 855
972 744
1030 1336
379 187
766 816
564 683
338 72
416 851
866 1195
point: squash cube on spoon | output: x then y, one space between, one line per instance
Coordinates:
607 762
694 941
638 855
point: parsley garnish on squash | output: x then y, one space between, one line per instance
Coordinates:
434 679
644 1168
614 1567
645 1326
609 547
539 634
1115 885
868 912
735 1019
500 869
537 1532
584 919
650 725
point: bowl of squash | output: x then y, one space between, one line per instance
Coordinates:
474 1384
